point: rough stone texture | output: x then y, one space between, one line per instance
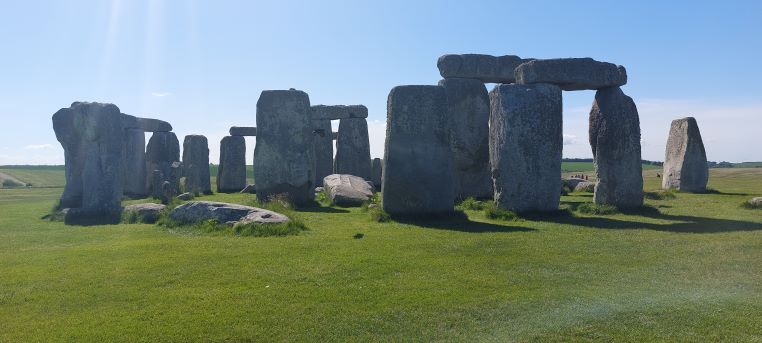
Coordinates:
185 196
615 140
526 140
243 131
418 163
196 164
135 163
284 154
147 213
585 186
250 189
231 173
485 68
572 73
377 170
323 142
347 190
197 211
572 182
468 106
756 202
157 179
145 124
685 166
91 135
162 151
353 148
335 112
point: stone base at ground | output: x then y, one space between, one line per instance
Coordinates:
146 213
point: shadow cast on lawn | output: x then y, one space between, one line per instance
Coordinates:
320 209
458 221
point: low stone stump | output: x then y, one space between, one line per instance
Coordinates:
685 165
232 214
145 213
347 190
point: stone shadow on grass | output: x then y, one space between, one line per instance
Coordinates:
316 208
686 224
458 221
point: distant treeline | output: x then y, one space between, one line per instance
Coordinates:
655 163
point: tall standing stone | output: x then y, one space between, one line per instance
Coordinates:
353 148
284 154
685 165
469 112
376 172
615 140
323 142
92 137
231 173
135 163
526 140
196 164
162 151
418 162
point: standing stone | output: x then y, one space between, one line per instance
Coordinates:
323 142
196 164
685 166
615 140
284 154
418 162
162 151
376 172
469 112
353 148
134 163
231 174
92 137
526 140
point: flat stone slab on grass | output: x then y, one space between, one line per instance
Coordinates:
572 74
198 211
148 213
347 190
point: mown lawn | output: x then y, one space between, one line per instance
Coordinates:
689 269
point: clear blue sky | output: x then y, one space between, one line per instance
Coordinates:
202 64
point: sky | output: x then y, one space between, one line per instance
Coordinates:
201 65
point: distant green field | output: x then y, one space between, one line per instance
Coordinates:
37 176
568 167
748 165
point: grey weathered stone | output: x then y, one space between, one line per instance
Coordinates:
185 196
224 213
353 148
243 131
526 140
323 142
615 140
231 173
468 106
162 151
572 73
250 189
91 135
377 170
485 68
685 165
585 186
756 202
347 190
335 112
135 163
284 154
196 164
335 135
572 182
145 124
147 213
418 163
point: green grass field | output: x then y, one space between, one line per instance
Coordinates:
690 269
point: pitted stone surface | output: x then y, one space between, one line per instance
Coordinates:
418 163
231 173
323 142
353 148
162 151
347 190
196 164
469 111
335 112
615 140
572 73
284 155
224 213
685 165
485 68
525 146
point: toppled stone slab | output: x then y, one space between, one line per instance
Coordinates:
147 213
485 68
585 186
572 182
347 190
243 131
572 73
145 124
232 214
249 189
335 112
685 165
